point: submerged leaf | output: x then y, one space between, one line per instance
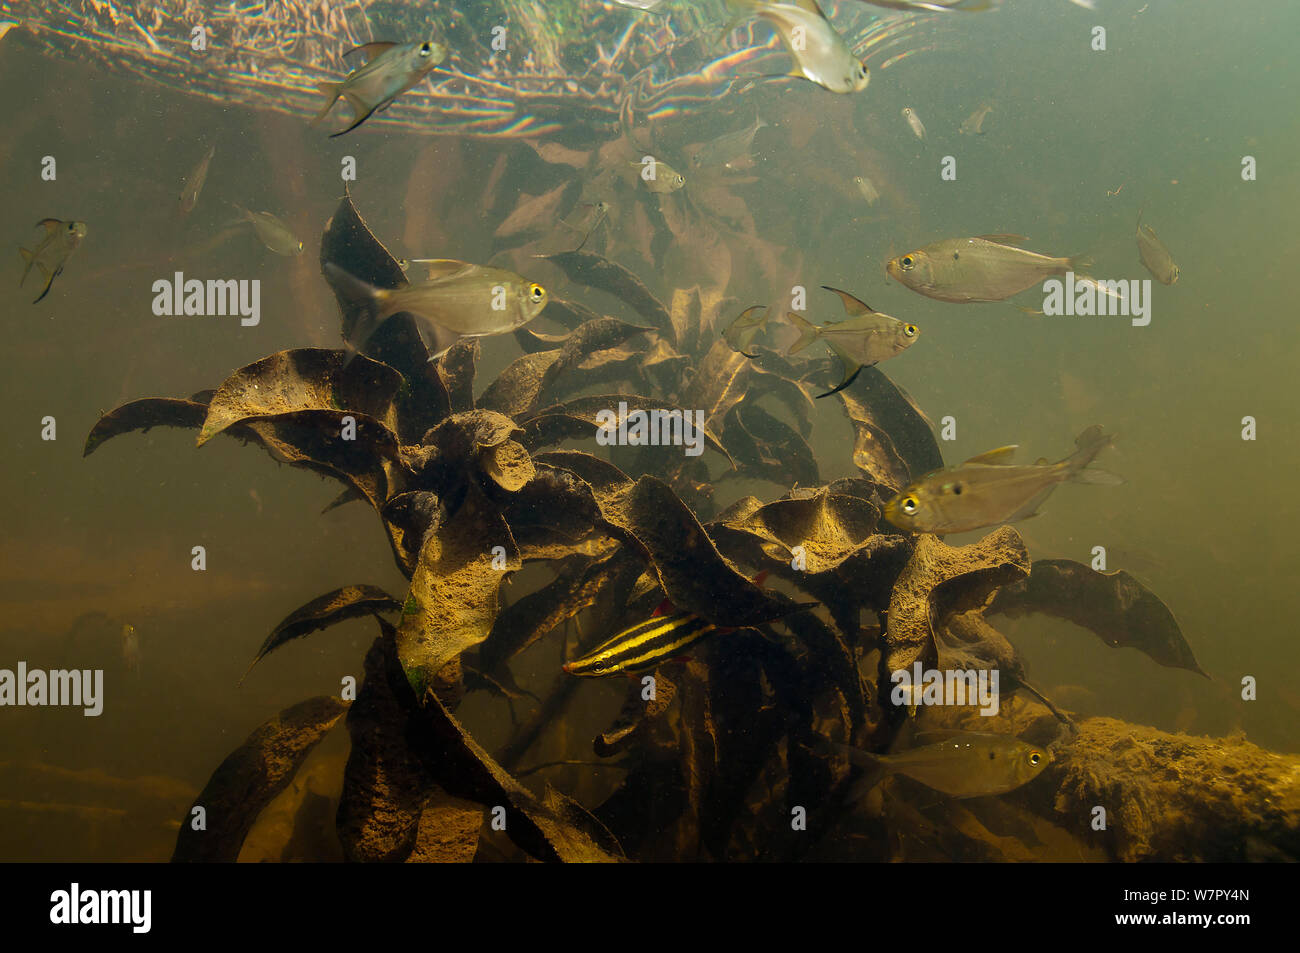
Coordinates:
604 275
578 418
941 579
385 786
324 611
348 242
1114 605
693 574
143 415
769 448
250 778
303 379
566 832
515 390
895 443
456 369
454 592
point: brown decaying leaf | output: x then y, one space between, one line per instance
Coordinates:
534 215
385 786
324 611
693 574
456 369
308 439
577 418
348 242
303 379
554 507
466 444
250 778
940 579
144 415
565 832
636 715
454 592
1114 605
515 390
874 452
720 382
769 448
604 275
829 526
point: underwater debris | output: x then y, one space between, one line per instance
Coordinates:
325 611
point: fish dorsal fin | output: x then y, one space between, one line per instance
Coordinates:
664 608
440 267
49 224
1004 239
810 6
852 306
934 736
993 457
370 50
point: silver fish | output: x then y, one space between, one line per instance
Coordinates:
60 241
726 150
658 176
864 338
823 56
986 490
1154 254
390 69
131 648
194 182
973 125
936 6
468 300
867 189
272 232
960 764
741 332
985 268
914 121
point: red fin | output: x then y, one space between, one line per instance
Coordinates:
664 608
760 578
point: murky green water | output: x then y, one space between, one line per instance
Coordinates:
1077 141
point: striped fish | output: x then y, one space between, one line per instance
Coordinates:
645 646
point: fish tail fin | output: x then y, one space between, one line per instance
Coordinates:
874 764
1080 264
29 258
1090 443
807 333
368 299
331 90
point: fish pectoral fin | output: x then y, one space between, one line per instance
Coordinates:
49 283
852 306
370 50
1097 477
360 108
1030 509
49 224
1004 238
993 457
848 363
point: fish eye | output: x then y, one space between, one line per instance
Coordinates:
536 292
907 262
862 69
909 505
1035 757
956 489
910 330
425 49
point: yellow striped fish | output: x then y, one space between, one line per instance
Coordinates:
645 646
